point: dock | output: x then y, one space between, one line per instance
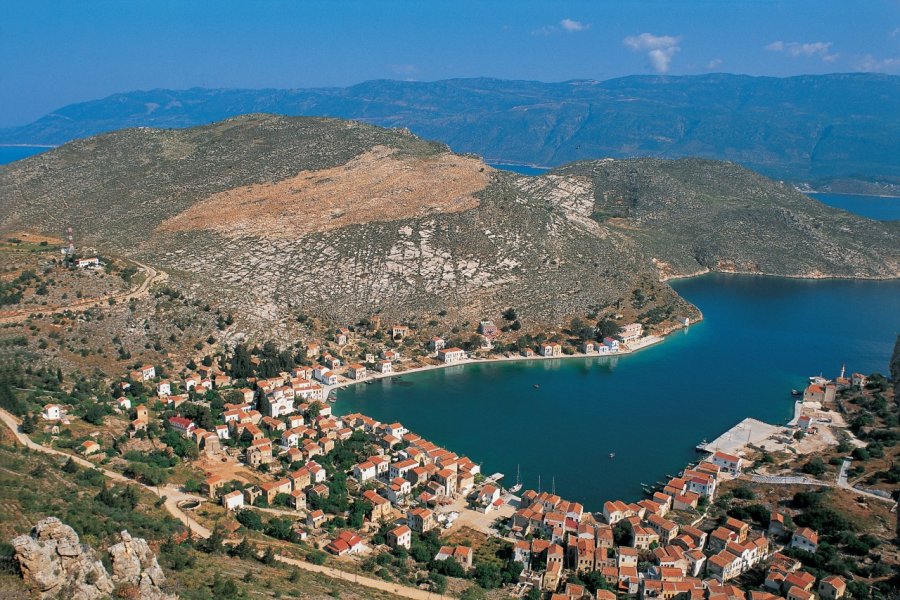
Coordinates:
736 439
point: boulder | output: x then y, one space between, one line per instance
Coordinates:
55 564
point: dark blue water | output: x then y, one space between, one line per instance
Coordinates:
879 208
761 338
520 169
9 154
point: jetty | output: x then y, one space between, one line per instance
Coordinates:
733 441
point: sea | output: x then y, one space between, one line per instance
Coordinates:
9 154
557 421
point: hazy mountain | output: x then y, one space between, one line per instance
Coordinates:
274 215
806 128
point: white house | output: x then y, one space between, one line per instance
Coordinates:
51 412
805 539
233 500
611 343
163 388
451 355
281 407
631 332
148 372
88 263
384 367
728 463
437 344
364 471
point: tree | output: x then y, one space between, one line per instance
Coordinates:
815 466
28 424
488 575
250 519
268 556
244 549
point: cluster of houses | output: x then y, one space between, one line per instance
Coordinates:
403 481
660 554
406 479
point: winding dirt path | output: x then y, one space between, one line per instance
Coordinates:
152 277
174 497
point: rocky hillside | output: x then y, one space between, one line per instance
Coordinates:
55 564
275 216
695 215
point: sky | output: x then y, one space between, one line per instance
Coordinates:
54 53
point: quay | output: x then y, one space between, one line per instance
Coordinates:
736 439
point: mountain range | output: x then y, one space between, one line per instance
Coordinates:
838 130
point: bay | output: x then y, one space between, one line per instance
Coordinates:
880 208
9 154
761 337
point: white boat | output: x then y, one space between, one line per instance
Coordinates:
518 485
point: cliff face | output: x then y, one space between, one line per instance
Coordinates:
54 564
272 216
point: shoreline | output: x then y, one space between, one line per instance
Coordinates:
655 340
702 273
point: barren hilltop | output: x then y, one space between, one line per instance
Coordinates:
273 217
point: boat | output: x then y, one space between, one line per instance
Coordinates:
796 393
612 454
536 386
518 485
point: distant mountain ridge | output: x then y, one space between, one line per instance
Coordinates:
810 128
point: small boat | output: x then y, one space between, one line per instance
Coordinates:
796 393
612 454
536 386
518 485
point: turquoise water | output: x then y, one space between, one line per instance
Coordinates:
875 207
10 153
762 336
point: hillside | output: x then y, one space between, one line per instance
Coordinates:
272 217
840 128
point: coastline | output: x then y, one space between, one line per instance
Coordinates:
654 340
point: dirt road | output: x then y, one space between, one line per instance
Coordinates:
151 277
174 497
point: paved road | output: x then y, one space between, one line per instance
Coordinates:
174 497
840 483
152 276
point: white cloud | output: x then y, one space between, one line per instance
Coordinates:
871 64
820 50
660 49
564 26
714 63
571 25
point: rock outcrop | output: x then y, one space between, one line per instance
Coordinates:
55 564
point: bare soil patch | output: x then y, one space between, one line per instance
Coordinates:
375 186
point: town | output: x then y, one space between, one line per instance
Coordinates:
357 488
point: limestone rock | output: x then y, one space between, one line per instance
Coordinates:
55 564
134 563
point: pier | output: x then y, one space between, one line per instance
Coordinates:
736 439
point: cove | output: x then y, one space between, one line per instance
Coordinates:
761 337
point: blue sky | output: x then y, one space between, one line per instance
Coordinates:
55 53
